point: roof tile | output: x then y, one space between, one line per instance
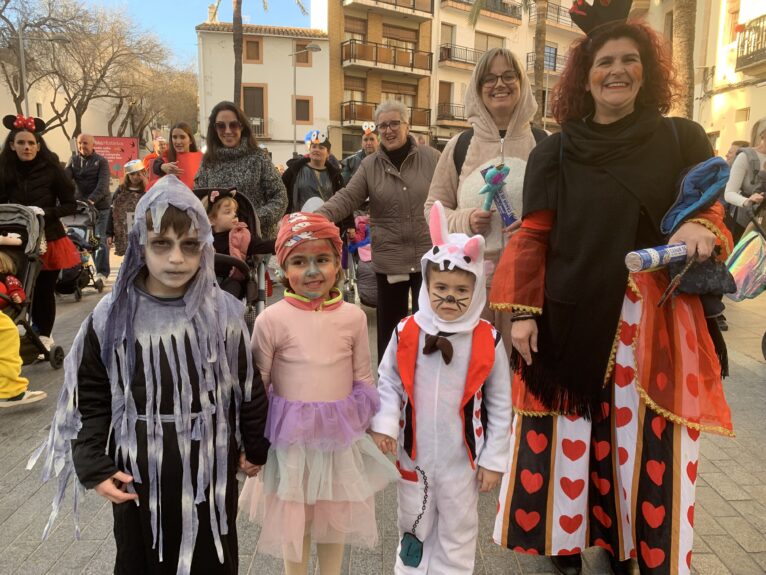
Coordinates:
287 31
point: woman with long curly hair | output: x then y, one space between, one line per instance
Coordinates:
610 391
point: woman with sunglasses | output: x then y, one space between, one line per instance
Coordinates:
500 106
396 180
233 159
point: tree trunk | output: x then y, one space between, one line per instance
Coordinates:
115 115
684 17
541 7
237 34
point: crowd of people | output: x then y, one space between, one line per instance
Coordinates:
503 359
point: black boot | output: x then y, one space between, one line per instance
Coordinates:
619 567
567 564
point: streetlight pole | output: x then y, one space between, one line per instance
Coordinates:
56 38
308 48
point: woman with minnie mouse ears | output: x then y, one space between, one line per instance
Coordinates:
30 175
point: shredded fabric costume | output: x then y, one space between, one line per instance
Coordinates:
157 388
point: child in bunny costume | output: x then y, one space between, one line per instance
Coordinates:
445 411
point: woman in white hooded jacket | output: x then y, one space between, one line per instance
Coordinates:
500 106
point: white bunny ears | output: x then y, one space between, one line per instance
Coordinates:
453 250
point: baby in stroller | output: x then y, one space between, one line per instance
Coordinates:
10 285
232 237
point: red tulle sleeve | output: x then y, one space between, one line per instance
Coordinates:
518 283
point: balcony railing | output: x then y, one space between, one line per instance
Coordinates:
359 50
454 53
557 14
259 127
553 63
751 46
511 9
356 111
422 5
450 111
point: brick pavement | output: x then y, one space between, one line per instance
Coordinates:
731 494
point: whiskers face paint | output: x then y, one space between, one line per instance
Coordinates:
450 293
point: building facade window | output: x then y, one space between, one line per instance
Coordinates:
254 104
304 110
732 19
305 58
407 94
354 89
355 29
397 37
484 42
447 34
551 51
252 50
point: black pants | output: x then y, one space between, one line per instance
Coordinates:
393 305
44 301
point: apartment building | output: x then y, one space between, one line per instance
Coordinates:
379 50
267 80
422 53
730 66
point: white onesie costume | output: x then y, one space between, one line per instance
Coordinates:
449 420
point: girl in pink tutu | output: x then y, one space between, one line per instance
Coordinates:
323 470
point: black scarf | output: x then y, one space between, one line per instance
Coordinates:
610 185
398 155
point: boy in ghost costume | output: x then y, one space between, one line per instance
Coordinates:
160 399
444 385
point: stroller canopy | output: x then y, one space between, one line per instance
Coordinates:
14 217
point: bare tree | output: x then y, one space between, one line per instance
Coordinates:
104 50
40 20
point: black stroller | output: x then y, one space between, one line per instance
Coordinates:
23 221
81 229
254 269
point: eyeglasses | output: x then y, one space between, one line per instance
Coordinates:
393 124
233 126
508 77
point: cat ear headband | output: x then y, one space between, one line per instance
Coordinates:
588 17
19 122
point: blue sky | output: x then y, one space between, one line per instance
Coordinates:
174 21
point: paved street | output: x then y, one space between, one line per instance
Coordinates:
731 494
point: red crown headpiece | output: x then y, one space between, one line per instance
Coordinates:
590 16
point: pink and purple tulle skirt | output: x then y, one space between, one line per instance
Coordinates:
321 476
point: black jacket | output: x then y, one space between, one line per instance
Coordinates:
91 176
291 173
38 183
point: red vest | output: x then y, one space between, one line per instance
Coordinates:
472 410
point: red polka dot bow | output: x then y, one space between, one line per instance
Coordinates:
22 123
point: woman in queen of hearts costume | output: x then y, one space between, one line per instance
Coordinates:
612 387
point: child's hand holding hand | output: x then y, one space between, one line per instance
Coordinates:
250 469
385 443
115 488
16 298
487 479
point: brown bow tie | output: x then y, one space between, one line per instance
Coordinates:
434 342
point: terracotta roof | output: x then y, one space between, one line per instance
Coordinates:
287 31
